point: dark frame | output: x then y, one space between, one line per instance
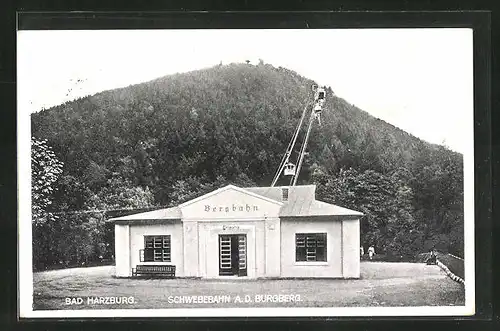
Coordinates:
479 21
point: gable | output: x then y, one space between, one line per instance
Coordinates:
230 202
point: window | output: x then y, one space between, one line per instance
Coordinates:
310 247
284 195
156 249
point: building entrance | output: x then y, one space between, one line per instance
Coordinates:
232 255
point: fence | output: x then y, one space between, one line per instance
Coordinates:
455 264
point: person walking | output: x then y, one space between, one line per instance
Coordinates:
432 257
361 251
371 252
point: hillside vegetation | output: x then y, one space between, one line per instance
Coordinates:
168 140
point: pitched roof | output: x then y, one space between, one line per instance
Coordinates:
230 187
275 192
317 208
301 203
172 213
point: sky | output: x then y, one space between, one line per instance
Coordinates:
420 80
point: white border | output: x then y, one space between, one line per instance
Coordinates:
25 289
256 312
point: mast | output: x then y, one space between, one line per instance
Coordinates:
285 165
294 179
291 145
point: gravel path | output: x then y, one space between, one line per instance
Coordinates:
381 284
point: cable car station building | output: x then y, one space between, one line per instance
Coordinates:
255 232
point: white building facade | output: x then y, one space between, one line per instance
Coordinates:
259 232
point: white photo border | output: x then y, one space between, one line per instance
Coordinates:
25 288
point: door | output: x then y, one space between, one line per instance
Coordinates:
242 254
225 260
233 255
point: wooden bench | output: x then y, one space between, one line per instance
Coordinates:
160 270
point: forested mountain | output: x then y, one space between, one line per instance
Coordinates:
168 140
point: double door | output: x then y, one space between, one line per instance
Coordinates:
232 255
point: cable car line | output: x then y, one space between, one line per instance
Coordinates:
286 167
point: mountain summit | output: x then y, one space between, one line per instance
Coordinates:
241 115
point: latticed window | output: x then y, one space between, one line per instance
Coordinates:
156 249
310 247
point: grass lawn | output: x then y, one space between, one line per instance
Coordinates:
381 284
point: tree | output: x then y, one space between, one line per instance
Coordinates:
45 170
120 193
385 202
192 187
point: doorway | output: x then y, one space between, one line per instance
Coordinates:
232 255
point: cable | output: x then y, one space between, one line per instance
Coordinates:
294 179
290 147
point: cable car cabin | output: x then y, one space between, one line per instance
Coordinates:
289 169
318 108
